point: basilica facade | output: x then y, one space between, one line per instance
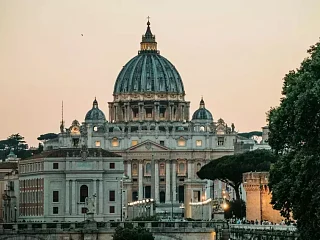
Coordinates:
149 125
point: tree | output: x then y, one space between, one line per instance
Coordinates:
47 136
15 142
131 233
229 169
295 136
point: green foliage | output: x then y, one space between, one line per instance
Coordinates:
295 135
47 136
229 169
250 134
131 233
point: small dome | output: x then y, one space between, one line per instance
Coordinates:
202 113
95 113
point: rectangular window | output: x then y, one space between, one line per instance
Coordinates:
134 142
112 196
111 209
55 196
149 112
220 141
162 112
162 143
55 165
135 112
55 210
198 143
112 165
98 143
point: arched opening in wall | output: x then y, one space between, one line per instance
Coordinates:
202 129
181 194
162 197
83 193
95 128
162 112
135 169
148 169
182 168
181 142
148 112
134 196
115 142
162 169
198 167
147 192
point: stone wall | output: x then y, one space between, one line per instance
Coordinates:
259 198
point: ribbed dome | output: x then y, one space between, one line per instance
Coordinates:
95 113
202 113
148 72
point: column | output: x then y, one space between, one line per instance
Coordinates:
94 189
174 181
168 189
129 168
140 196
101 203
190 162
208 189
156 181
67 197
74 198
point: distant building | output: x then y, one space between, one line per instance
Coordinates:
8 190
55 184
243 144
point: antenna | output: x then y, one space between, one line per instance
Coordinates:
62 111
62 122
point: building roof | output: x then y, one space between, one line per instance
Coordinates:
73 152
149 72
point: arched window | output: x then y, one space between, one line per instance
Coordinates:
198 167
148 169
134 169
162 197
181 142
83 193
162 169
115 142
202 129
182 167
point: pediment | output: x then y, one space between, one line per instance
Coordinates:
148 146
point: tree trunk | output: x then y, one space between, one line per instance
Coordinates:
237 190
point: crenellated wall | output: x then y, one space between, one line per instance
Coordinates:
259 198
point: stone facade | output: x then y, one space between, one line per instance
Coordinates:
54 185
150 126
258 198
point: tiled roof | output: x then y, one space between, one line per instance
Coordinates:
73 152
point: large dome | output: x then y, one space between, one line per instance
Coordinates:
149 72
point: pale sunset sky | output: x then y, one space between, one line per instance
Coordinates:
234 53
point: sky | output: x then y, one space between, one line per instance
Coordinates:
234 53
